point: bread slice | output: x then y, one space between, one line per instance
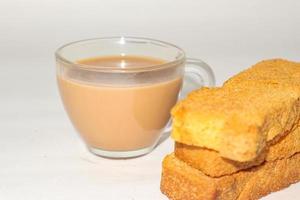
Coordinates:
240 118
181 182
211 163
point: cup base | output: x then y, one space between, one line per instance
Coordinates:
120 154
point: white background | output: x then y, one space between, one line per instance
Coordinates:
41 157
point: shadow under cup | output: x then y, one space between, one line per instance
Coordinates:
119 111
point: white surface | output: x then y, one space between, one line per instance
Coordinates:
41 156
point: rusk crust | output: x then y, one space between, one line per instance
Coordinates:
275 71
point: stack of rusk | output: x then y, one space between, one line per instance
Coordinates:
239 141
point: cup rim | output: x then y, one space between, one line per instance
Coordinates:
178 60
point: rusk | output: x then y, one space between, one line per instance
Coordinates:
275 71
181 182
211 163
239 119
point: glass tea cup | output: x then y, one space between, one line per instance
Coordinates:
121 111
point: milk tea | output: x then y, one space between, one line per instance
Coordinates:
118 118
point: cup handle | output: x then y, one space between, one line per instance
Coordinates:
197 74
201 69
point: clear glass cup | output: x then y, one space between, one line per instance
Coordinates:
121 112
